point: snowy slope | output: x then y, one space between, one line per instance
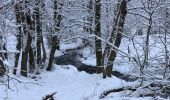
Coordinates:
67 81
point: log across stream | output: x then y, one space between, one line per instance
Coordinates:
72 58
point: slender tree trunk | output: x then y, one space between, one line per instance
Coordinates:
39 59
17 55
118 29
90 18
27 50
98 43
44 51
31 60
25 54
24 63
166 46
52 52
40 49
147 42
38 27
55 37
19 35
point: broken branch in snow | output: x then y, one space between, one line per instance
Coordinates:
152 89
22 81
49 97
105 93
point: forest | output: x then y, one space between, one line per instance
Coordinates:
84 49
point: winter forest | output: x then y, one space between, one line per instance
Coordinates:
84 49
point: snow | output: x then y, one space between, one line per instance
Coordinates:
58 53
66 80
126 98
66 46
90 61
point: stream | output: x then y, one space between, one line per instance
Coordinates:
72 58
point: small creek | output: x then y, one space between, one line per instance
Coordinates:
72 58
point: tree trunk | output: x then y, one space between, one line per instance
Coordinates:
118 29
17 55
98 43
146 51
38 28
2 68
52 52
19 35
24 63
27 50
25 53
31 60
90 16
55 37
44 51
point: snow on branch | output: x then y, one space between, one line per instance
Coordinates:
103 40
114 47
8 6
22 81
9 52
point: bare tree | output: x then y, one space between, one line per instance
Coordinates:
27 50
55 35
38 14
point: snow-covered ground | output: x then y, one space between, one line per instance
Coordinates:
71 84
67 82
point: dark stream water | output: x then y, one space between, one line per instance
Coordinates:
72 58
